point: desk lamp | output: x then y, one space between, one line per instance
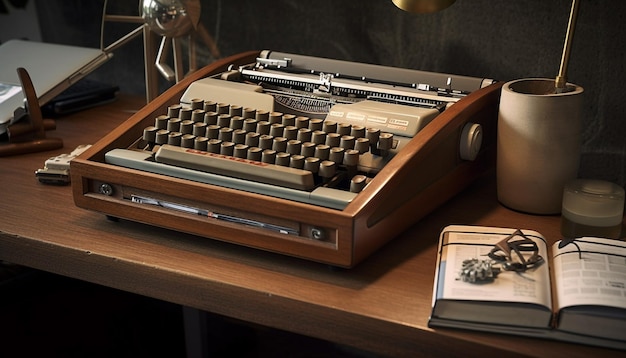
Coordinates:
173 19
539 130
422 6
170 19
427 6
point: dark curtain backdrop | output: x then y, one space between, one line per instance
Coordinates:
500 39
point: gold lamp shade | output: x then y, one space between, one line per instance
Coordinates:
423 6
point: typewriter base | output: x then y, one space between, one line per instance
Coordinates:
423 176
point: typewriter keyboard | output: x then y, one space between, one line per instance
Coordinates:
324 161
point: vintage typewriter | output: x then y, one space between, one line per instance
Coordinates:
320 159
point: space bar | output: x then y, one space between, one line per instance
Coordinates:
235 167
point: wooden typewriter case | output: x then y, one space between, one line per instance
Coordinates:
425 174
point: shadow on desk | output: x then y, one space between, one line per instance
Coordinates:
390 257
46 315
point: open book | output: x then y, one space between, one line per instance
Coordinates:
576 292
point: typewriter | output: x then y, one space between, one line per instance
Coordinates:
316 158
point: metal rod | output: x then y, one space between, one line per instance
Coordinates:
561 81
124 18
123 40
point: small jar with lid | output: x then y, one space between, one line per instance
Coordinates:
592 208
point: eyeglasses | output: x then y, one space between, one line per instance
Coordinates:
516 252
572 241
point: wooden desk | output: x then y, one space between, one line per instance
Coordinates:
382 305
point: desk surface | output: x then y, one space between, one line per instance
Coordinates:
382 305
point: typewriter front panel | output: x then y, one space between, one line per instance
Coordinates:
254 220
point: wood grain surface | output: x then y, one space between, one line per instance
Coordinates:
382 305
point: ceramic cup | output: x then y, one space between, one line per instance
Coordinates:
538 144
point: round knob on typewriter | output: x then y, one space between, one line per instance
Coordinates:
318 137
254 153
289 120
336 154
296 161
236 122
290 132
149 134
161 121
312 164
197 103
210 106
240 151
212 131
185 113
276 117
322 151
329 126
279 144
282 159
308 149
223 120
213 146
198 115
362 145
223 108
225 134
239 136
344 128
316 124
252 139
357 131
357 183
187 140
262 115
161 136
227 148
304 135
266 141
471 141
373 134
199 129
263 127
249 124
385 141
347 142
186 126
351 158
174 110
174 138
210 118
277 129
248 113
235 110
333 139
173 124
327 169
200 143
268 156
294 147
302 122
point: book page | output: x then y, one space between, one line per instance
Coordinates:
591 271
467 242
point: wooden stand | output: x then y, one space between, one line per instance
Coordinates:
28 135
